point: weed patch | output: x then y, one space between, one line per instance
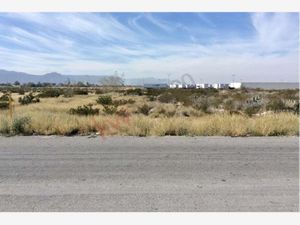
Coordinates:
84 110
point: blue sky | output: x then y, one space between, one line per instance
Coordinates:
209 46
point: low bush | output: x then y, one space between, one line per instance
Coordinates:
167 113
152 98
136 91
84 110
123 102
4 127
81 91
27 99
233 106
110 110
20 125
4 105
99 91
144 109
68 93
4 97
104 100
276 105
4 101
21 91
167 98
287 94
122 112
251 110
296 108
201 104
51 93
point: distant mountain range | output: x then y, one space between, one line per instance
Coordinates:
12 76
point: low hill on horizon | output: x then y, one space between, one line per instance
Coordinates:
54 77
12 76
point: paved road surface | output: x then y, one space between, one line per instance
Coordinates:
149 174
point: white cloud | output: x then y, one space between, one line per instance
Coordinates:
158 22
270 55
276 31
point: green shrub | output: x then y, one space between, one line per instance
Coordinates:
296 108
130 101
84 110
186 96
110 110
201 104
4 98
21 91
27 99
4 105
136 91
99 91
123 112
68 93
51 93
167 113
287 94
151 98
251 110
81 91
144 109
4 101
4 127
276 105
167 98
20 125
104 100
182 131
123 102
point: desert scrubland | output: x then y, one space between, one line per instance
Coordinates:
142 112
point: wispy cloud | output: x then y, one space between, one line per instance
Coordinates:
134 23
206 20
276 31
159 22
152 44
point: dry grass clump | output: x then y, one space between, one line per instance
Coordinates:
164 110
139 125
136 115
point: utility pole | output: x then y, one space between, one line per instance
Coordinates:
10 101
233 78
123 78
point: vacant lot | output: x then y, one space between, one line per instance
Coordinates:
140 112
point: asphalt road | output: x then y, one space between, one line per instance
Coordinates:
149 174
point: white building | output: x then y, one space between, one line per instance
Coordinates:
176 85
216 86
189 86
235 85
199 86
220 86
224 86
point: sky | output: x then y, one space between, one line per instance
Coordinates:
208 46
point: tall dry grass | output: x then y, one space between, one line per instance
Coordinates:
51 117
50 123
